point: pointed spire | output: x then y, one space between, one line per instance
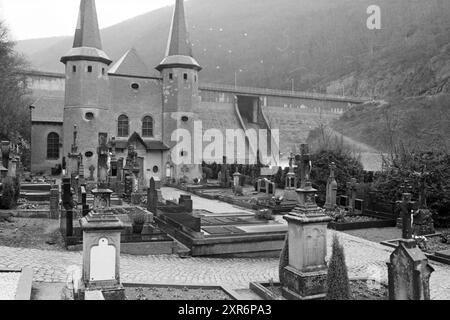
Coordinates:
179 48
179 43
87 33
87 44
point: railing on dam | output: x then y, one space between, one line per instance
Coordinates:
280 93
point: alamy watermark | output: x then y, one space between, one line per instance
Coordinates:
374 19
237 145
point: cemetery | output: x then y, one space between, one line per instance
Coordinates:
121 216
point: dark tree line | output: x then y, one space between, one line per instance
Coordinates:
14 102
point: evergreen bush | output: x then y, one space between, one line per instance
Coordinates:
338 284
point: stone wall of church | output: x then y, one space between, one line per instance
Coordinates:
146 100
39 134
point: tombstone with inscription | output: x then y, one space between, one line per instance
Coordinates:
305 276
408 268
101 256
332 188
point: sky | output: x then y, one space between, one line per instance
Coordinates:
30 19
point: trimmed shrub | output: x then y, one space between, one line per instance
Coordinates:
9 194
338 284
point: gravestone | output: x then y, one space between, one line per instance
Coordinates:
84 205
331 191
68 205
305 276
152 197
359 206
101 255
186 202
408 268
12 168
343 201
54 202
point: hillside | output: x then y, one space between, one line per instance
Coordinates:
412 124
321 44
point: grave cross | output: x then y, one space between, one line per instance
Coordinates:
332 170
305 165
422 188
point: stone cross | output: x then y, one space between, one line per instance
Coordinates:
305 165
422 188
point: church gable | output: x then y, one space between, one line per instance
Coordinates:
130 64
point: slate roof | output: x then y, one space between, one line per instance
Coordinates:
130 64
150 145
87 33
87 43
48 109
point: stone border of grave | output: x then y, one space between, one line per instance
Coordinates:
226 289
25 284
260 288
432 256
31 213
384 222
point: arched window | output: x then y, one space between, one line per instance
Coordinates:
123 126
53 146
147 127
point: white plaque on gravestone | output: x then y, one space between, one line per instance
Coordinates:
103 262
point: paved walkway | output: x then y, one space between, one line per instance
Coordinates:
364 259
213 206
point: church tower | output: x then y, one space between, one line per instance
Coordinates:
87 95
179 71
